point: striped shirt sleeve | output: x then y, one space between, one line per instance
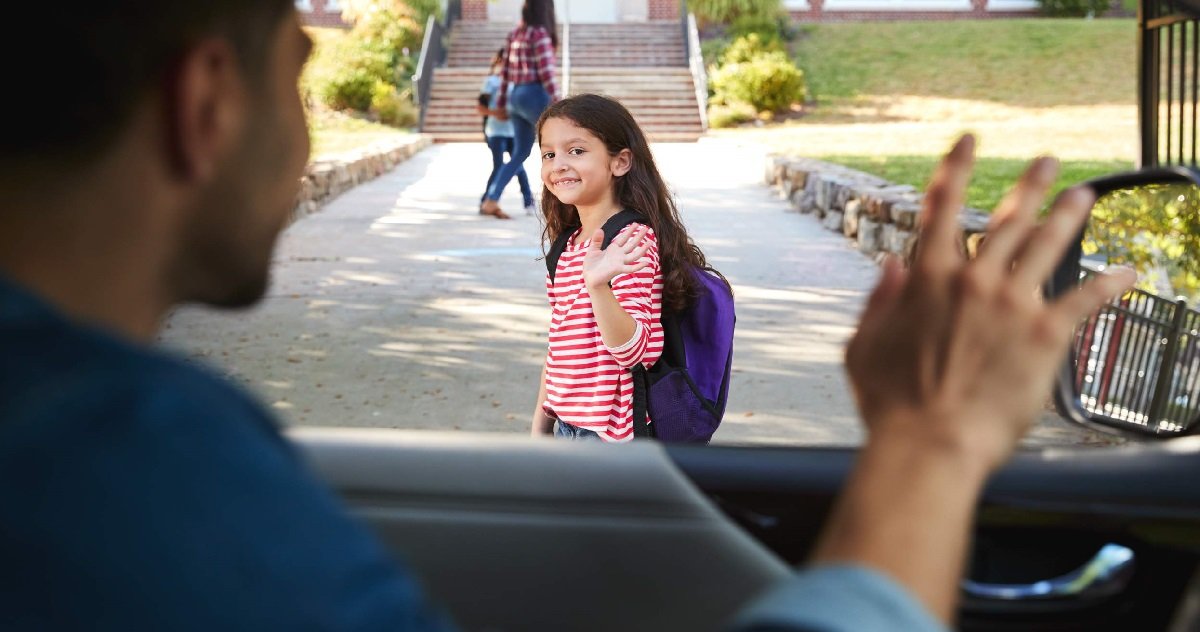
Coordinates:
635 293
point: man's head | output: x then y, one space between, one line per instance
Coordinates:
200 99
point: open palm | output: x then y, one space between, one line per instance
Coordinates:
621 257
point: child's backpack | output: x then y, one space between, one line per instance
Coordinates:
686 390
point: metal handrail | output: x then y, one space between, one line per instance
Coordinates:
696 65
566 56
432 53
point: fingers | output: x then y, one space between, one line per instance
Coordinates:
597 240
1012 218
1046 245
891 281
938 246
1086 299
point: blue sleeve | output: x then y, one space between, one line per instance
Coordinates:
837 599
173 503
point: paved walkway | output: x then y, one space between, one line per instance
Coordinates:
399 306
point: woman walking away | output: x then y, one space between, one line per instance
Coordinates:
499 137
529 68
606 302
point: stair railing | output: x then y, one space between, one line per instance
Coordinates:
566 57
433 54
691 48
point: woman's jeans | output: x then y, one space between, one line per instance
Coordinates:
501 145
525 105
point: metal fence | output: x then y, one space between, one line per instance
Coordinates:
1169 59
1137 364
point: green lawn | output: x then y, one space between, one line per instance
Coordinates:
1026 62
891 96
993 176
333 132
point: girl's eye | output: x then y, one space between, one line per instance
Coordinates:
575 151
548 155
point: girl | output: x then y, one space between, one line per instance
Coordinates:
529 67
499 137
606 302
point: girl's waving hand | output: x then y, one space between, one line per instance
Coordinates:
623 256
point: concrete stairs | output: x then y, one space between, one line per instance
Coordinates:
641 64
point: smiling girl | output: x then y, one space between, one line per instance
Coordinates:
606 303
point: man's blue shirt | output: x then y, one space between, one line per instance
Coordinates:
138 492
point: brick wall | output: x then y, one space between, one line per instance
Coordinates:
474 10
318 16
664 9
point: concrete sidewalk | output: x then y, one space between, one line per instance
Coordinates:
399 306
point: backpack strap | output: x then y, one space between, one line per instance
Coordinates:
611 228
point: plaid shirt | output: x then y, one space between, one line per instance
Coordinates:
530 59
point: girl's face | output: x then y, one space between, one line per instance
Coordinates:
576 166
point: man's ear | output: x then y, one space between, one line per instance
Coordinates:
622 162
206 108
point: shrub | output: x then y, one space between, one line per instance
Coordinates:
347 73
391 106
726 11
713 50
767 28
731 115
1074 8
769 82
748 47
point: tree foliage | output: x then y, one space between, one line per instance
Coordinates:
1155 230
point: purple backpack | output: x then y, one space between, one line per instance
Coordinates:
685 392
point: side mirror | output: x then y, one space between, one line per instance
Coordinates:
1135 365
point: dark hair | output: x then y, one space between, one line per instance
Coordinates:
106 56
642 189
541 13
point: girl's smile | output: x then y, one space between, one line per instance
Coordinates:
576 166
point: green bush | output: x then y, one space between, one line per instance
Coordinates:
391 106
346 72
731 115
713 50
1074 8
726 11
768 81
767 28
748 47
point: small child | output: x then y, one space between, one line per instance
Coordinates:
499 137
606 303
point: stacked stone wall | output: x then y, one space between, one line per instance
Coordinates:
881 217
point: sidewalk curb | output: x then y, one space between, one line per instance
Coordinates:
329 176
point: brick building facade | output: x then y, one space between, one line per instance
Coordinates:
325 13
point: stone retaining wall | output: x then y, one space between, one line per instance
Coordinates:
879 216
329 176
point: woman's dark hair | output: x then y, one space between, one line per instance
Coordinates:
641 189
541 13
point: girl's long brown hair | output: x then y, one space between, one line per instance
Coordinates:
641 189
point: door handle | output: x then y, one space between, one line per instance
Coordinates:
1107 573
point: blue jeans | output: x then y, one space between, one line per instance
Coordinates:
567 431
501 145
526 104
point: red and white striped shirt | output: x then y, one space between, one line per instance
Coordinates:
530 59
588 384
